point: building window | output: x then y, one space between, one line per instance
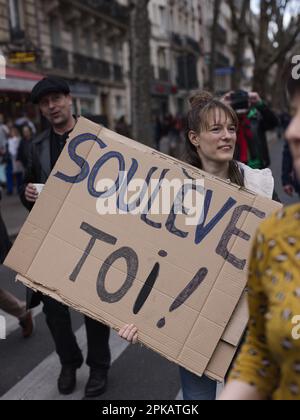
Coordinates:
119 107
89 43
163 72
16 20
162 60
171 20
76 38
117 52
87 106
101 47
163 17
153 12
55 31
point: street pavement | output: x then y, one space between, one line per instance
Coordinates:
29 368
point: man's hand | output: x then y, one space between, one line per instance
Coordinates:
254 98
31 193
289 190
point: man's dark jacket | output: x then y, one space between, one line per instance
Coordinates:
37 172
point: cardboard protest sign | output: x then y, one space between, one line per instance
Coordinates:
125 234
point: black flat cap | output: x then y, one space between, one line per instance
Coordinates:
49 85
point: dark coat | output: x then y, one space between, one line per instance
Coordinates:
4 241
264 121
288 172
38 165
23 152
37 172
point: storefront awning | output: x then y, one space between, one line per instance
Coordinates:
19 80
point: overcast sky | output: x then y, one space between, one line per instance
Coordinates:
294 7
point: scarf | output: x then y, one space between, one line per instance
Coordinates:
244 137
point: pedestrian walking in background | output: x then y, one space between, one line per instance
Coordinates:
16 308
290 180
157 131
3 132
122 127
9 303
3 150
14 168
23 121
284 122
24 147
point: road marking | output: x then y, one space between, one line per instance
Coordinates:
12 323
41 383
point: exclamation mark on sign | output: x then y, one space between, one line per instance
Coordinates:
148 286
186 294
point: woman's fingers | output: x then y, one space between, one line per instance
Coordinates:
122 331
132 335
129 333
135 339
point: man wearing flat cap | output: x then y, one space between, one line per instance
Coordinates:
52 94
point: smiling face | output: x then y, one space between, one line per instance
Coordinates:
293 132
217 137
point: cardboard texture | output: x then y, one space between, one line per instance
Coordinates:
123 269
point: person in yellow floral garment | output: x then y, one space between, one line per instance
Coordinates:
268 366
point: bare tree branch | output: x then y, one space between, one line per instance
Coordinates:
140 31
285 48
240 27
217 7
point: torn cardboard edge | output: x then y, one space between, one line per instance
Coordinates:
222 357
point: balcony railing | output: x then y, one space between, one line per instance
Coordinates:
176 39
163 74
81 65
17 35
118 73
110 8
60 59
193 44
92 67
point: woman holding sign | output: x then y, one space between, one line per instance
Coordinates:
269 364
211 139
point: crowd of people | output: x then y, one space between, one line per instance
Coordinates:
15 138
225 137
255 120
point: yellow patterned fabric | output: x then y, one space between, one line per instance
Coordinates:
270 357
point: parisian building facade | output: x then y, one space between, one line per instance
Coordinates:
87 43
84 42
177 52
